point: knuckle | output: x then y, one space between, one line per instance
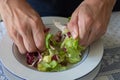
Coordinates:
22 28
89 18
21 25
12 34
35 22
25 31
36 19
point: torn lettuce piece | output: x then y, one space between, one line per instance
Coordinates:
47 40
43 66
52 52
73 55
58 68
53 64
47 58
62 55
73 49
70 42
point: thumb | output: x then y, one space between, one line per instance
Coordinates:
73 26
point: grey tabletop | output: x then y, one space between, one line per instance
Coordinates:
110 69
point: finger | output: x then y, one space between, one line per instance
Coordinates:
84 31
18 41
28 40
93 36
85 20
84 24
73 26
20 44
38 35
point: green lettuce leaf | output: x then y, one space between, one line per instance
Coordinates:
73 49
47 40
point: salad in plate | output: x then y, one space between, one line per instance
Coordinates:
62 51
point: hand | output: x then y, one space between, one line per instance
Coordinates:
23 25
89 21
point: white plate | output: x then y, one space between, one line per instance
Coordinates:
16 64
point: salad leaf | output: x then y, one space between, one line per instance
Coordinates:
47 40
59 67
73 49
70 42
43 66
73 55
62 56
53 64
47 58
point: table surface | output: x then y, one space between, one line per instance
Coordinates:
110 69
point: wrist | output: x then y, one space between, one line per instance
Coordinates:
101 2
7 7
10 4
98 5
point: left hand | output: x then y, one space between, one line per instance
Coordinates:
89 21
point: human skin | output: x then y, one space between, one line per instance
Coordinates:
88 22
23 24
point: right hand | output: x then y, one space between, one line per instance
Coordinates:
23 25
